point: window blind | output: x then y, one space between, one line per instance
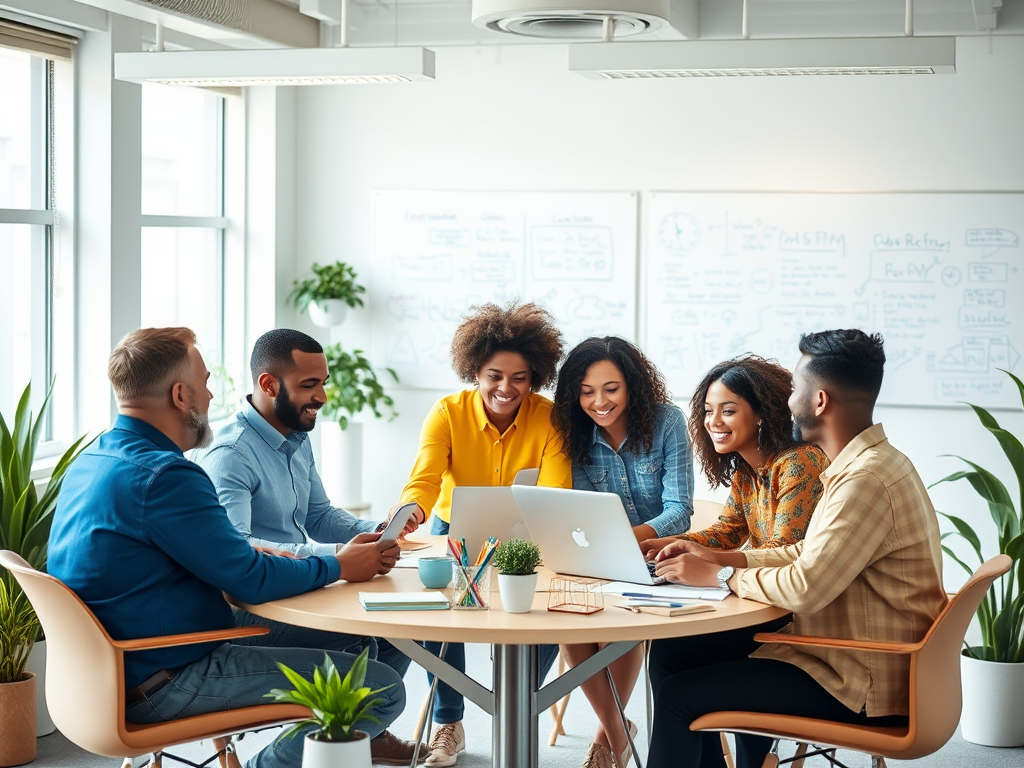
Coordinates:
42 42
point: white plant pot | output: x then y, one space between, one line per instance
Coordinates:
327 313
336 754
993 712
517 592
341 466
37 666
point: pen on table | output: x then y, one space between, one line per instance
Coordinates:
647 596
654 603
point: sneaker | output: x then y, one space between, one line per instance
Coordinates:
598 756
627 754
388 749
449 740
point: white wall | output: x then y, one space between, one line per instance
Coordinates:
512 118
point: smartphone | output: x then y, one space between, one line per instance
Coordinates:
397 525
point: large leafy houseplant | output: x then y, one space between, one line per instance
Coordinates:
337 702
1001 614
330 281
25 515
353 385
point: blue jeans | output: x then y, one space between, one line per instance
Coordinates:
449 704
239 673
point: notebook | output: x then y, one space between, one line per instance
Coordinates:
640 606
403 601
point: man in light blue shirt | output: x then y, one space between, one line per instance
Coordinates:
262 467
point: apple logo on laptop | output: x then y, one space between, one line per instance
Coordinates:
580 538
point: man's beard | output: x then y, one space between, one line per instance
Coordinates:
199 425
290 414
802 422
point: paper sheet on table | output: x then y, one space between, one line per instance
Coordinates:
667 590
411 545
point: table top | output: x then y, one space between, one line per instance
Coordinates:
336 608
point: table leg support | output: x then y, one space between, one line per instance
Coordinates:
515 739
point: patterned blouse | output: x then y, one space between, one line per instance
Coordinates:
772 511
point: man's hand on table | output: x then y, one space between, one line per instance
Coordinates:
687 562
651 547
273 552
365 557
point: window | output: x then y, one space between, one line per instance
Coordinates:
36 321
184 226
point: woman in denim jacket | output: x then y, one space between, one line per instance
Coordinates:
623 436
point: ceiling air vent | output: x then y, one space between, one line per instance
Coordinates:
571 19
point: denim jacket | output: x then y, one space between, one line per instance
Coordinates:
656 487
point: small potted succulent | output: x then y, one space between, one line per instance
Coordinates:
338 703
327 295
517 561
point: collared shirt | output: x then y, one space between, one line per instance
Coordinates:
269 485
870 568
656 486
140 537
775 509
459 446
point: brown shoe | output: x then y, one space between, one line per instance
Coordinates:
388 749
598 756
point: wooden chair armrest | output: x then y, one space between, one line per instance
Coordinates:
836 642
190 638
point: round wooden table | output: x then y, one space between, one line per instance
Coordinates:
515 701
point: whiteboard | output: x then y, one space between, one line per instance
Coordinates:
938 275
436 254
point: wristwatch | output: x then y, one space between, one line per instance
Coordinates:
724 575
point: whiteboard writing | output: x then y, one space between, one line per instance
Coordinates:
438 254
936 274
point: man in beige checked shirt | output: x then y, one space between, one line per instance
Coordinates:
869 568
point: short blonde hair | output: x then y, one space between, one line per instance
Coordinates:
148 360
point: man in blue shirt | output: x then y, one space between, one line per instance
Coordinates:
140 536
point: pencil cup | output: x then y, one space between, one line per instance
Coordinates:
471 587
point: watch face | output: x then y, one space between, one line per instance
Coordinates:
679 232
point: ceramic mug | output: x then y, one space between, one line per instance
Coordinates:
435 572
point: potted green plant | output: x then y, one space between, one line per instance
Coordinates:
18 629
517 561
26 515
993 672
352 387
327 295
338 704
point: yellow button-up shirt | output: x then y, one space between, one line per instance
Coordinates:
869 568
459 446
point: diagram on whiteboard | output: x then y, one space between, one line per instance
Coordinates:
934 274
437 254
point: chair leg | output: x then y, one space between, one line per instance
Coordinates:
226 755
771 760
558 708
127 763
425 719
727 751
156 761
798 756
877 761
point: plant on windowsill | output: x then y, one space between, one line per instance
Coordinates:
517 561
337 704
18 629
327 295
25 515
997 665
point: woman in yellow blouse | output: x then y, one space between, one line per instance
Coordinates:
742 436
484 436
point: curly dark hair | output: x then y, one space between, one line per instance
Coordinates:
766 386
644 384
526 329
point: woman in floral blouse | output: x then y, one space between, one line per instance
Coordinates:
742 436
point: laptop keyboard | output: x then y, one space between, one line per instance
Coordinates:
650 569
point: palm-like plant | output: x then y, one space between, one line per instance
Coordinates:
25 516
338 703
18 629
1001 614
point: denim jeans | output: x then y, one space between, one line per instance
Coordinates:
449 704
239 673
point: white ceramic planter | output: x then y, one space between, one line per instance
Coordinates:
993 713
327 313
37 666
336 754
517 592
341 465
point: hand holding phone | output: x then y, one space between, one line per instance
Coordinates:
397 523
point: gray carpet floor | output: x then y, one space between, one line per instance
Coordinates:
57 752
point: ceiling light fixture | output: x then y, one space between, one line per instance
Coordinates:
571 19
746 58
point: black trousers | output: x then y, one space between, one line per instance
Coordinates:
692 676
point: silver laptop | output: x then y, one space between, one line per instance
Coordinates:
583 533
481 512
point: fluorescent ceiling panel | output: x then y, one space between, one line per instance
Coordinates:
744 58
283 66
